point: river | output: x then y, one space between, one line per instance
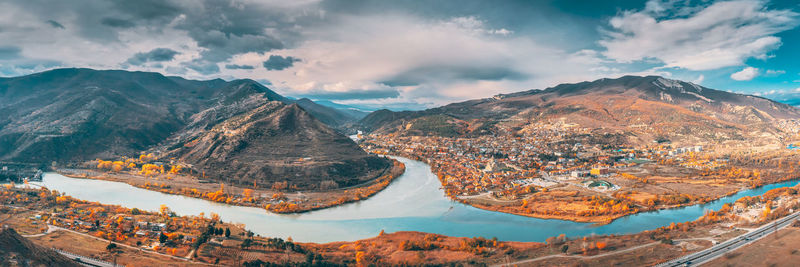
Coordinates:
413 202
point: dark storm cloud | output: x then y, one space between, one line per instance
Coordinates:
202 67
353 94
228 28
239 67
148 9
117 23
155 55
10 52
279 63
55 24
426 74
223 28
222 46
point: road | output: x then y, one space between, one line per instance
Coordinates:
52 228
622 251
694 259
86 261
573 256
698 258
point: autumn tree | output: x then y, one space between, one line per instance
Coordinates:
146 157
102 164
151 169
164 209
175 169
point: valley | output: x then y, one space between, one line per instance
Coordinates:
466 133
628 167
130 126
587 185
597 151
35 211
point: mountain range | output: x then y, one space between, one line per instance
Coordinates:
636 109
238 128
244 132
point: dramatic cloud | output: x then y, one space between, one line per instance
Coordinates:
9 52
745 74
155 55
353 94
426 74
55 24
239 67
396 54
202 67
722 34
117 23
279 63
428 62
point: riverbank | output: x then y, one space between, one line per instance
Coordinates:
276 201
667 187
414 202
119 224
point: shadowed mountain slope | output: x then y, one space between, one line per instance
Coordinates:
239 127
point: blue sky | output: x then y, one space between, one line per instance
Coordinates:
413 54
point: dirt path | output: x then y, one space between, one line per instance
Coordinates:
52 228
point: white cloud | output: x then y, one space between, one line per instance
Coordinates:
722 34
771 92
444 59
361 51
745 74
775 72
699 79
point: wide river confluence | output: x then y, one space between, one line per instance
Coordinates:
413 202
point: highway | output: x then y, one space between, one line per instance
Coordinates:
698 258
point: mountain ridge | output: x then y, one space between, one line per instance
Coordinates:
622 103
76 115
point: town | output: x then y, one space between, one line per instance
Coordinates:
19 172
572 173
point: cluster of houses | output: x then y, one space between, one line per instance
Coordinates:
541 157
19 173
115 223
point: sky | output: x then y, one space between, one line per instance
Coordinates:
409 54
